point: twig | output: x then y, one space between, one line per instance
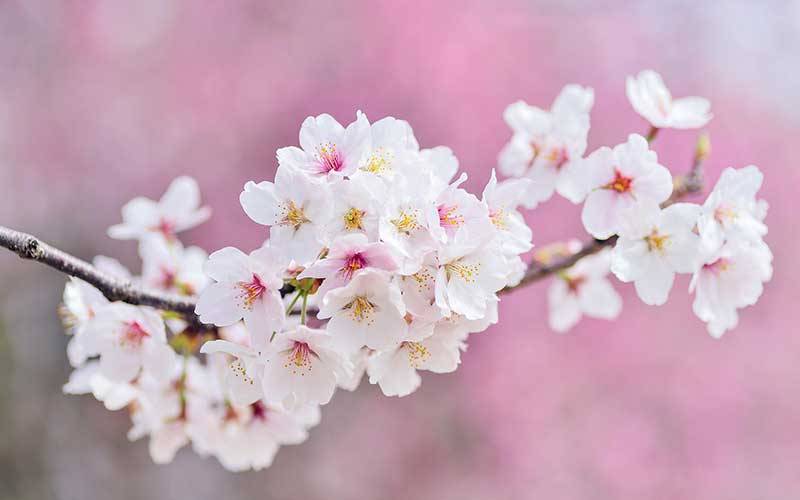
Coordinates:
114 289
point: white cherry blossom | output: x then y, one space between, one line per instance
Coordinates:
247 287
615 180
732 210
178 210
459 211
732 278
355 208
368 311
582 290
404 228
303 367
468 277
348 256
395 370
546 143
128 339
652 99
327 149
502 199
170 267
655 244
295 207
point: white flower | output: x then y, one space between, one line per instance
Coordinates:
502 200
583 290
88 379
404 227
242 374
348 256
468 277
545 144
246 287
459 211
302 367
732 210
359 360
171 267
395 370
355 209
392 148
616 180
651 99
328 149
129 338
368 311
419 290
653 245
178 210
731 279
295 207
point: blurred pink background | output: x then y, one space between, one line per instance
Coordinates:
103 101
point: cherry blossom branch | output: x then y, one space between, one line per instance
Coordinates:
689 183
114 289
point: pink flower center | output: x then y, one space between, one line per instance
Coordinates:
165 227
300 358
718 266
251 291
449 217
574 283
621 182
329 159
259 411
353 264
558 157
134 334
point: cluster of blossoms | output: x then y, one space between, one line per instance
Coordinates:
379 265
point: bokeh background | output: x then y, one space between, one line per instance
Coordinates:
101 101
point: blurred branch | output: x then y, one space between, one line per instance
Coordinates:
689 183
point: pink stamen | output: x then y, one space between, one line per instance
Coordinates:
300 358
165 227
353 264
621 182
330 159
252 291
718 266
134 334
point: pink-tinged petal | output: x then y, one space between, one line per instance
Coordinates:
323 268
319 130
379 256
655 185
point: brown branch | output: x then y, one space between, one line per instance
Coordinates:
689 183
114 289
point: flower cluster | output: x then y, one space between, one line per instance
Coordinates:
379 264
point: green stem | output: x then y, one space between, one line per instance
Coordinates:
294 301
303 309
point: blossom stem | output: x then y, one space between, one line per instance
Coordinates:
652 133
303 308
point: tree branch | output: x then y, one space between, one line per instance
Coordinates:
114 289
